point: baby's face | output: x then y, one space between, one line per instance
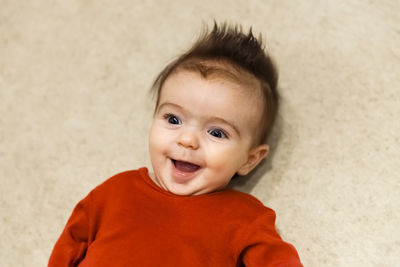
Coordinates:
202 133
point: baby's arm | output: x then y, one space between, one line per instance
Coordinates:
264 247
71 246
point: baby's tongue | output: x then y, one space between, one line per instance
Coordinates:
186 166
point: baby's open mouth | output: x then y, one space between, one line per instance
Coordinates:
185 166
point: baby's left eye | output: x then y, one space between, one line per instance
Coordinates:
218 133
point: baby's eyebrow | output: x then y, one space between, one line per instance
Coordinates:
168 104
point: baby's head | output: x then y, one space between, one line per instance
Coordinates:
215 108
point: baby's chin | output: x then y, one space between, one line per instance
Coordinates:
185 190
186 180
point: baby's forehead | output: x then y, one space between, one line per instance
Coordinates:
219 71
245 88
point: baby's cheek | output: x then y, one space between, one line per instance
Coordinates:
156 135
219 158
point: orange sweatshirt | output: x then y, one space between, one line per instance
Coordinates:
130 221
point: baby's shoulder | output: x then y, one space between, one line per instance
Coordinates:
117 182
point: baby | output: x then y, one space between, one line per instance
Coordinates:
215 107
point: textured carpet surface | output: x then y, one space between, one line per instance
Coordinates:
75 109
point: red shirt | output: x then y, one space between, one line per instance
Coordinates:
129 221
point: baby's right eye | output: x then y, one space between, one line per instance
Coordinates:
172 119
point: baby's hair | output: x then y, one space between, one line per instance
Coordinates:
229 52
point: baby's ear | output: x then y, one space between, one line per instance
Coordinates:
254 158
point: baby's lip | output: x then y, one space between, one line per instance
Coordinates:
185 166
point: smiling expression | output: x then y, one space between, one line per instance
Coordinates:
203 133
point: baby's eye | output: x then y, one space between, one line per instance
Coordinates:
172 119
217 133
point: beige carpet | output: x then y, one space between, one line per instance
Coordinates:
75 109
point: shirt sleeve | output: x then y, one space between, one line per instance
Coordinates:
72 244
262 245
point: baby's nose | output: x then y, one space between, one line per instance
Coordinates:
188 139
